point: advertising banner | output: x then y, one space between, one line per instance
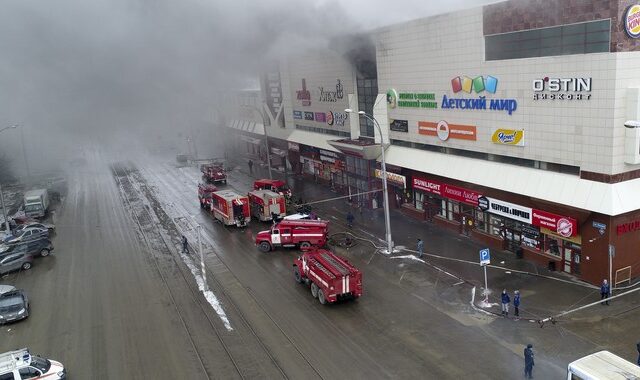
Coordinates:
508 137
448 191
562 225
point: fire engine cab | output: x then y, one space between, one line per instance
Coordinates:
212 173
204 194
265 204
332 278
230 208
292 233
275 185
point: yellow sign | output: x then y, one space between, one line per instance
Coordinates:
508 137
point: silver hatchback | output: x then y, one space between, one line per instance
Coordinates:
16 260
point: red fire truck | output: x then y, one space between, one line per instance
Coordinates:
204 194
274 185
265 203
230 208
212 173
332 278
292 233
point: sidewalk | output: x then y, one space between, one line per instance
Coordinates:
544 293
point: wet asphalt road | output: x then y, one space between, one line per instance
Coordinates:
117 301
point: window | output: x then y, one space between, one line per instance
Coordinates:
552 245
29 372
481 220
6 376
419 199
579 38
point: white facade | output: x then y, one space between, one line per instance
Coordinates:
424 56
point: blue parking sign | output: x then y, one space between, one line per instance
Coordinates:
485 256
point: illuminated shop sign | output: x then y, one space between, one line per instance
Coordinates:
331 96
561 225
508 137
411 99
337 118
392 177
448 191
562 88
444 130
632 21
304 95
477 85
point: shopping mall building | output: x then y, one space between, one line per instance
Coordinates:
512 124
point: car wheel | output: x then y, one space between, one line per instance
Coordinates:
45 252
26 265
305 245
321 297
265 246
314 290
296 274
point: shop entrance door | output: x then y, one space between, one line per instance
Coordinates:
467 219
512 235
567 260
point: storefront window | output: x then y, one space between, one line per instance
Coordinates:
454 210
419 197
481 221
443 208
495 226
531 236
552 245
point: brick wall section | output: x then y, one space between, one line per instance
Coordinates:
515 15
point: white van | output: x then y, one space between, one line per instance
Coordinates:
602 365
20 364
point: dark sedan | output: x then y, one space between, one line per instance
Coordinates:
14 306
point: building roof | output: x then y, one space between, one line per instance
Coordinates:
318 140
566 189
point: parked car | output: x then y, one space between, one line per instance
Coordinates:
20 259
6 289
14 306
44 226
41 246
26 234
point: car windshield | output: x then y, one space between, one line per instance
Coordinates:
11 303
32 207
41 363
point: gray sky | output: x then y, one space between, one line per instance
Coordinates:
72 70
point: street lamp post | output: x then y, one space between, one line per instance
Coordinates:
4 210
387 221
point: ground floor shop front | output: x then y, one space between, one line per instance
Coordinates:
561 238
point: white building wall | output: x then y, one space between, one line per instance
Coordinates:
423 56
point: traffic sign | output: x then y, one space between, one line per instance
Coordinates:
485 256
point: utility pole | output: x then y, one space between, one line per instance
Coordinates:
24 153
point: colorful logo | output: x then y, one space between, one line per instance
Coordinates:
445 131
477 84
508 137
321 117
392 98
329 118
304 95
632 21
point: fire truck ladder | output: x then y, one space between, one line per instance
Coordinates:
341 268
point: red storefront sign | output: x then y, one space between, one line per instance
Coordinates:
448 191
562 225
623 228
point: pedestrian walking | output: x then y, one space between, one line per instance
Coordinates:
185 245
420 248
250 163
516 304
505 300
605 290
350 219
528 361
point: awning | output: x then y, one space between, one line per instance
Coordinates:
366 151
279 152
251 140
317 140
564 189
